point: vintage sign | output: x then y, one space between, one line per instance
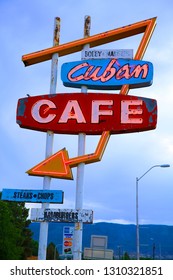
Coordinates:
107 73
99 53
33 196
62 215
91 113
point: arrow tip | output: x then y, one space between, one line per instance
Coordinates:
55 166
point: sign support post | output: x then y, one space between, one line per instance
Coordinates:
77 241
49 143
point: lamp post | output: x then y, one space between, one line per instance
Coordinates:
137 206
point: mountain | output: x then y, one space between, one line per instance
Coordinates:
156 241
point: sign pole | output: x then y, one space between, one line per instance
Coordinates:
49 143
77 243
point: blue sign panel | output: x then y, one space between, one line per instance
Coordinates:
33 196
107 73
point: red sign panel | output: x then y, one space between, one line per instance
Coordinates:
90 113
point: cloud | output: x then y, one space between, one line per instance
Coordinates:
115 221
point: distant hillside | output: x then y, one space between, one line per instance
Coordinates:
155 240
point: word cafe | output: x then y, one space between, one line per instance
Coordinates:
91 113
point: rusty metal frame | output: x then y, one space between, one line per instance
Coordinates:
146 27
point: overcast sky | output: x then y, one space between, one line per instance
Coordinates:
109 186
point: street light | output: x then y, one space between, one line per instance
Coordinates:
137 206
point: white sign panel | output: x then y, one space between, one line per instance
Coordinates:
99 242
98 254
62 215
99 54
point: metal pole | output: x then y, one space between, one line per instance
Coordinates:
154 248
49 143
137 207
137 221
77 241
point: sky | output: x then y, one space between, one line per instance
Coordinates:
109 185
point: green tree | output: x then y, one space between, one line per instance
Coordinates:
52 253
126 256
9 234
20 219
15 236
34 247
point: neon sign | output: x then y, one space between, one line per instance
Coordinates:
107 73
90 113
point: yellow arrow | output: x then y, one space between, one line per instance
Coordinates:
59 165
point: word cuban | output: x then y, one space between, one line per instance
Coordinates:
112 70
